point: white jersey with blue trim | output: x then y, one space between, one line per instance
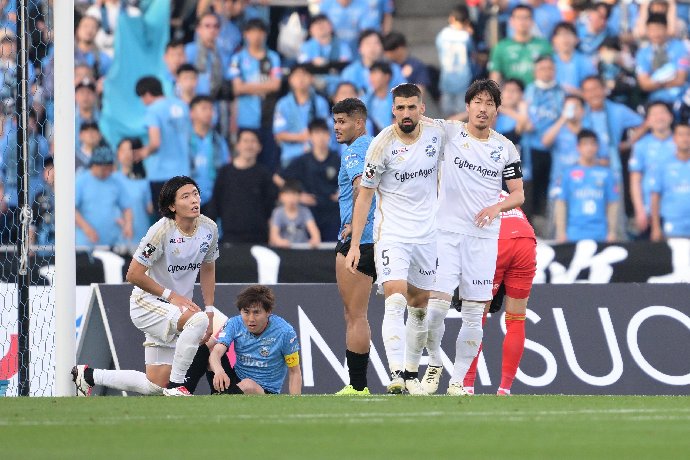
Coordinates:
405 176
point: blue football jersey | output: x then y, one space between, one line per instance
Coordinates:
351 167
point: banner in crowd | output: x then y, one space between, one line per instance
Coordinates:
584 262
581 339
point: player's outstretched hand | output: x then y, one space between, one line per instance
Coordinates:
221 381
352 259
183 303
486 216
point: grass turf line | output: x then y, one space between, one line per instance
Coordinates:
330 427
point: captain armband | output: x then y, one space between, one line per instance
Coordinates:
512 171
292 359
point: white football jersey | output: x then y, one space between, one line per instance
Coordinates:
406 179
174 259
471 176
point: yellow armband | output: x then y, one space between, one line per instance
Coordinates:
292 359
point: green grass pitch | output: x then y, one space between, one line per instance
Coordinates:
331 427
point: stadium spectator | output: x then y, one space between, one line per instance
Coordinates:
378 98
8 66
168 126
587 202
262 369
103 212
454 46
161 303
561 139
384 9
9 218
230 36
616 67
654 150
174 57
86 105
106 12
675 12
291 222
413 70
662 65
622 20
205 55
208 149
370 51
326 53
43 206
571 65
514 57
546 17
544 98
85 49
133 176
294 112
610 120
89 138
243 194
670 196
513 118
317 172
186 83
349 19
593 30
256 76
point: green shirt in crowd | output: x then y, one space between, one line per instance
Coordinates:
516 60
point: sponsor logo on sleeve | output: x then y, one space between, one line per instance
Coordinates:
148 250
370 171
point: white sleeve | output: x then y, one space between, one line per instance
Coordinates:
213 252
375 162
151 246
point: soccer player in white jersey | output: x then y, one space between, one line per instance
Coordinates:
182 244
401 167
475 161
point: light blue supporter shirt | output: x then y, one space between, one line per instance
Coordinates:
678 60
261 357
544 108
454 50
171 116
649 154
351 167
348 21
291 117
587 191
251 70
672 181
358 74
101 203
139 193
572 73
208 154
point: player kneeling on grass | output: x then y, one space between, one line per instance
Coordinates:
266 347
164 269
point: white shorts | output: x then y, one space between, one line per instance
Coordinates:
158 321
468 262
414 263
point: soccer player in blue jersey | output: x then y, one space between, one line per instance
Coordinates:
587 199
670 200
266 347
350 119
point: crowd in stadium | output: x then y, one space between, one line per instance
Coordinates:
229 100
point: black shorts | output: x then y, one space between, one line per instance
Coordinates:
366 259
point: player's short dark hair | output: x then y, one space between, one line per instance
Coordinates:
255 23
393 41
406 90
587 134
515 81
199 99
481 86
257 294
174 43
460 13
563 25
352 107
522 6
663 104
381 66
186 67
149 85
168 193
367 33
656 18
318 124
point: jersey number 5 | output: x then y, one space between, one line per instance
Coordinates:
384 257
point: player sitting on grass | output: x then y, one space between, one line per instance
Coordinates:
266 347
164 268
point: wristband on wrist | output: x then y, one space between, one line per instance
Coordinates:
166 294
209 309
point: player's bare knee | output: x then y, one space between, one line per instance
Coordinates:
250 387
516 306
